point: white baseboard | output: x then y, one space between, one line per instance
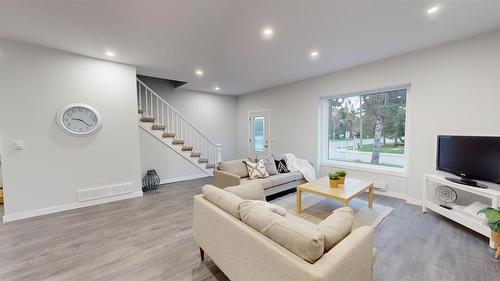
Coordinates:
66 207
192 177
391 194
400 196
414 201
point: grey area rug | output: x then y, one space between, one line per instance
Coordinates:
316 208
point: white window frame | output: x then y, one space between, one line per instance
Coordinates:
364 167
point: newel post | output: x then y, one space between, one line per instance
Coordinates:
219 153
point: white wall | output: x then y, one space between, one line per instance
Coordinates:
455 89
169 165
35 83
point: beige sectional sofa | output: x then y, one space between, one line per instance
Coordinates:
235 172
221 228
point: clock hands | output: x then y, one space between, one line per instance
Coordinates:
81 121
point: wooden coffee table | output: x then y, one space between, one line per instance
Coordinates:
344 193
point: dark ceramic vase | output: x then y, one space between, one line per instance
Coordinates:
150 181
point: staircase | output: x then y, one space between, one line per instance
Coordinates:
165 123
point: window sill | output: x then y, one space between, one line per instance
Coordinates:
398 172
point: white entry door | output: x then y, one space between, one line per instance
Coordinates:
258 133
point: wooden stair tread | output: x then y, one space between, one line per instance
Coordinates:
148 119
158 127
187 148
177 142
203 160
195 154
210 166
168 135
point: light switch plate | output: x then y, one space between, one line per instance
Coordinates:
18 145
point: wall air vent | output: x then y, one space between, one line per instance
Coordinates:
104 191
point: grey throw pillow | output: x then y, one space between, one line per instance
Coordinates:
269 164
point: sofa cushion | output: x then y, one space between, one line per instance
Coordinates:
336 227
300 220
282 178
269 164
235 167
266 183
250 190
225 200
300 239
298 175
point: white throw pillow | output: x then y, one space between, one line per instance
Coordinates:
256 170
271 207
473 208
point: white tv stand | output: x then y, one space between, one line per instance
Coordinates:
430 202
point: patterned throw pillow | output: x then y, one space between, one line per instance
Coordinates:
281 166
256 170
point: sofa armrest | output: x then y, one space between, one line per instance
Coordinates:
224 179
351 258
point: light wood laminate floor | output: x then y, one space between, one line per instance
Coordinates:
150 238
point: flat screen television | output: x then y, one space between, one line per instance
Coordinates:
469 157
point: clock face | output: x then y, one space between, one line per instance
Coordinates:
79 119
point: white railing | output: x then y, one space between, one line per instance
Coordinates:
152 105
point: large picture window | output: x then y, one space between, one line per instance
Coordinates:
368 128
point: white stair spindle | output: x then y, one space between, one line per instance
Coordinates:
140 94
151 105
146 99
157 111
167 128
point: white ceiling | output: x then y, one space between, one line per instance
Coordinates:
170 39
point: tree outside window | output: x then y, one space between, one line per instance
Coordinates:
368 128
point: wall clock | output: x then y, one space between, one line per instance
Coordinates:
79 119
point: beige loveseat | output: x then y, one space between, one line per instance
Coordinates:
235 172
245 254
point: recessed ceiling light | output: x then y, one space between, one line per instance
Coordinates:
216 88
110 54
267 33
433 10
199 72
314 54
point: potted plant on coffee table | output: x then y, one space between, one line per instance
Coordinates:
334 179
342 174
493 216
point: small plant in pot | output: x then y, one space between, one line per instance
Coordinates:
334 179
342 175
493 216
